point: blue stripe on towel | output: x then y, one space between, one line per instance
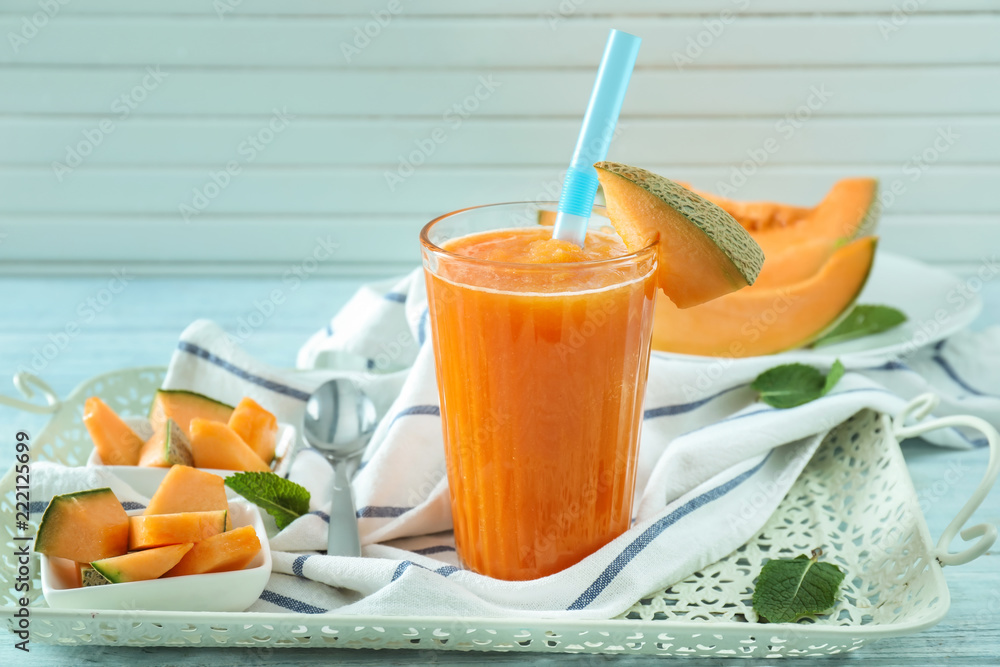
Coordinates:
431 410
651 533
298 563
445 571
398 297
322 515
947 368
381 511
276 387
670 410
290 603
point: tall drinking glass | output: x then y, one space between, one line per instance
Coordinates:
541 370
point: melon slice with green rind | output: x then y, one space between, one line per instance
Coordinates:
167 446
756 321
215 445
116 443
157 530
232 550
187 489
141 565
183 406
84 526
703 252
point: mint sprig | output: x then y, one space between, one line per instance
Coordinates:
863 320
790 588
789 385
284 500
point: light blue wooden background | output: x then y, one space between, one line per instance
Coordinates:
897 74
894 76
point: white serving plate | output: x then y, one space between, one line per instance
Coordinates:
218 592
854 499
930 297
146 479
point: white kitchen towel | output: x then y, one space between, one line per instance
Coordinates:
714 462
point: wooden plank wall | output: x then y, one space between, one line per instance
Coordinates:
118 119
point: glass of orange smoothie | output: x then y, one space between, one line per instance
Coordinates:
542 353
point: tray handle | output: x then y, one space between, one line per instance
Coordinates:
919 408
24 381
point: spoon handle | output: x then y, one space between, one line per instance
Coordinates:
343 539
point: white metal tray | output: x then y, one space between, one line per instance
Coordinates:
854 499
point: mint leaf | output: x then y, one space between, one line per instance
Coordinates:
789 588
282 499
862 321
789 385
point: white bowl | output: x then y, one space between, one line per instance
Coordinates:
221 591
284 452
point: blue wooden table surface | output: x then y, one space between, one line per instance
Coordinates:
140 325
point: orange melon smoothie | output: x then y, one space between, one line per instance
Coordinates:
542 353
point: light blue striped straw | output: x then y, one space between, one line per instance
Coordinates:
580 186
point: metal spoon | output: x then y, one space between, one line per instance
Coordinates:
339 420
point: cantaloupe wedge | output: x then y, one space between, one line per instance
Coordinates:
167 446
232 550
256 426
215 445
849 211
764 321
183 406
83 526
186 489
703 252
115 442
157 530
141 565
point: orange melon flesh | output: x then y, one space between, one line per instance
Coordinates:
115 442
848 211
83 526
795 264
183 406
166 447
186 489
232 550
703 252
215 445
764 321
141 565
157 530
256 426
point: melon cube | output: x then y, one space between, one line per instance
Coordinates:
84 526
215 445
232 550
187 489
256 426
157 530
115 442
